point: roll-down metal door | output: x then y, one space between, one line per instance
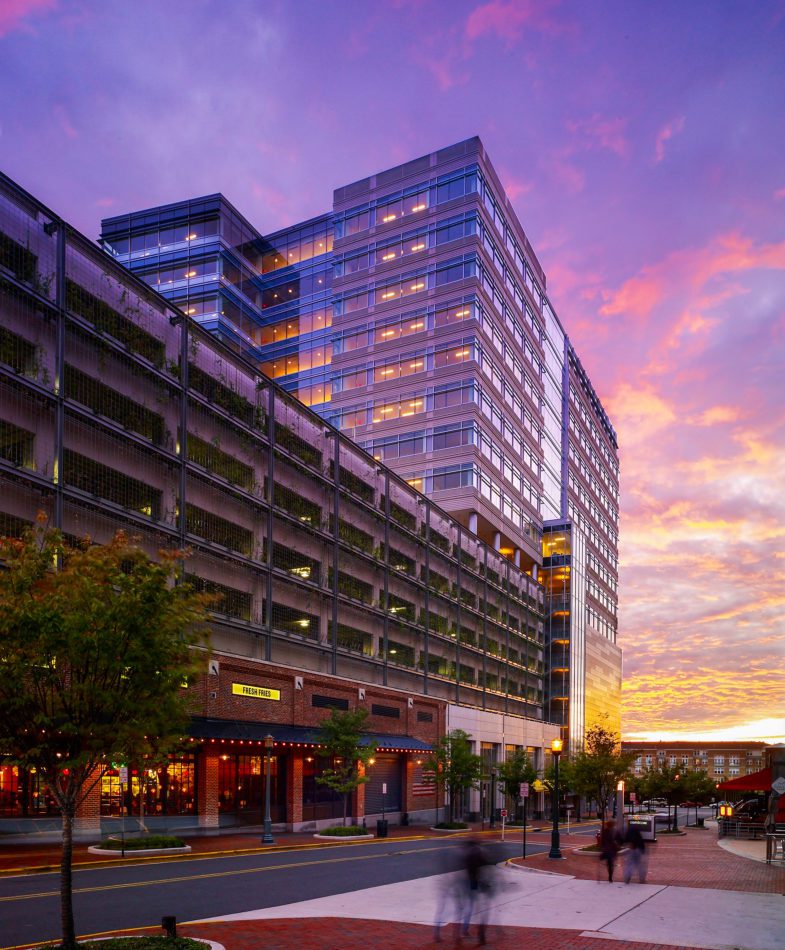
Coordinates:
386 769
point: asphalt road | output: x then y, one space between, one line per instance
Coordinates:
107 899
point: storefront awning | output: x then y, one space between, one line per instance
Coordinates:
754 782
253 733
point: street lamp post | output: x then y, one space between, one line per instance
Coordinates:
493 798
267 837
555 852
676 778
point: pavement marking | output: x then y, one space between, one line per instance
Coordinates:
198 877
131 860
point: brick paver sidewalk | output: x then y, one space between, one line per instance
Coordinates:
348 934
690 860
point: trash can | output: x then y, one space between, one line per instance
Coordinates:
381 827
700 821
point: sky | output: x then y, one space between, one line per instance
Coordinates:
643 147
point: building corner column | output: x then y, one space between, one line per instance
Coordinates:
207 789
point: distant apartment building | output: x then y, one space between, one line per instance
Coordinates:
414 317
340 585
721 760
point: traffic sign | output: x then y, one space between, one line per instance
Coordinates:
524 789
778 786
504 812
123 772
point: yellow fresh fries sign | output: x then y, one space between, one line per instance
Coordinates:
255 692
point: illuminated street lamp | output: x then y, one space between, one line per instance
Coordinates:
267 837
676 778
555 852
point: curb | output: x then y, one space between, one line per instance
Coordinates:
142 852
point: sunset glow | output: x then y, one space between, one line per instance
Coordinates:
642 147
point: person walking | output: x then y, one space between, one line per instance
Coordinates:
635 858
477 887
609 847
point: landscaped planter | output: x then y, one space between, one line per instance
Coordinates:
449 831
132 852
344 837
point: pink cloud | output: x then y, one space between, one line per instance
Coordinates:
599 131
566 173
667 132
64 121
515 187
507 18
14 12
779 194
691 268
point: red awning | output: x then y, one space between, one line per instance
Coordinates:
754 782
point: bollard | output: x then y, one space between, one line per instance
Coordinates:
169 926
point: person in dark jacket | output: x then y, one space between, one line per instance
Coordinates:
635 858
609 847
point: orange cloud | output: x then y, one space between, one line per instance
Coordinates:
716 415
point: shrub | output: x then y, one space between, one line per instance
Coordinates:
141 844
452 825
138 943
339 831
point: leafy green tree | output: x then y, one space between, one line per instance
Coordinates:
699 786
597 769
515 769
454 766
342 737
95 645
668 782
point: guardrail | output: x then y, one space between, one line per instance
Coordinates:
736 828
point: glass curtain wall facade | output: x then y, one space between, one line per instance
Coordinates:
116 411
414 318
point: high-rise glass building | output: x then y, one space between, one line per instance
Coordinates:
414 316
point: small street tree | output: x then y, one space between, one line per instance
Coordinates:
455 767
597 769
342 737
666 781
95 645
516 769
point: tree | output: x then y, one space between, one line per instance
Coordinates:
454 766
597 770
516 769
699 786
95 645
343 739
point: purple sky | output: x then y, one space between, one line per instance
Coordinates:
643 145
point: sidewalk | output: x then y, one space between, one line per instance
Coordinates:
697 895
731 902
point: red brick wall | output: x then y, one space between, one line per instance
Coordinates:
212 697
88 812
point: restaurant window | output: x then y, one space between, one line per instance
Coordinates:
168 788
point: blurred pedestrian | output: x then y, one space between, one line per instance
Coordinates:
609 847
635 858
477 885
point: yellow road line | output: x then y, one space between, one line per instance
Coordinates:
131 861
213 874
